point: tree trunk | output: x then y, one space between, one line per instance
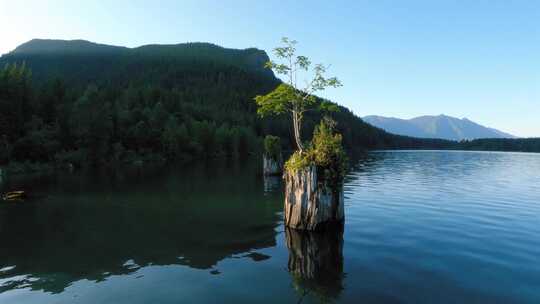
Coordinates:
297 125
310 203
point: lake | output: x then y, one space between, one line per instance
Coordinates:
421 227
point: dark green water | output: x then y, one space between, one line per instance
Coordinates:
421 227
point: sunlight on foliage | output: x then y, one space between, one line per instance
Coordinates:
325 152
292 97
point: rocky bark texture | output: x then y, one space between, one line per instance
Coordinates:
310 203
271 166
316 260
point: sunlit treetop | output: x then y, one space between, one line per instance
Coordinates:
296 94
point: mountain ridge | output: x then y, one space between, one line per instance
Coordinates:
61 58
40 45
436 126
102 104
190 100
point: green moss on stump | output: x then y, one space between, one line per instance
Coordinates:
325 152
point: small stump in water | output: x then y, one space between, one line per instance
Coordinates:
272 166
272 159
312 203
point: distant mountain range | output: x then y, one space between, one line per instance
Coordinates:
441 126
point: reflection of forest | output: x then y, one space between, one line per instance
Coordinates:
90 228
316 262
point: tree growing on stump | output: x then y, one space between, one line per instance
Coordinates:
314 173
295 96
314 181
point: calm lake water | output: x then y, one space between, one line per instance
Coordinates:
421 227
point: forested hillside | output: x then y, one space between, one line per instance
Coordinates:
85 103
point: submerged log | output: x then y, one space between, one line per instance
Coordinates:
316 261
272 166
311 203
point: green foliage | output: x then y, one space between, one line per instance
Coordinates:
207 113
501 144
39 142
179 102
325 152
174 138
276 102
272 147
15 95
299 160
289 97
291 64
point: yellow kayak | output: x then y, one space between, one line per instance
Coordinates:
14 195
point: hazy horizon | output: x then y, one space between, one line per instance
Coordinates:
477 60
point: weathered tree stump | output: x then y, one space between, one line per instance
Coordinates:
316 261
272 166
311 203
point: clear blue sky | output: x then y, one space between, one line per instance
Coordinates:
470 58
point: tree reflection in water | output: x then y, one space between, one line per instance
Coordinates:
97 225
316 262
272 184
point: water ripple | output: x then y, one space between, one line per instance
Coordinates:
435 216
